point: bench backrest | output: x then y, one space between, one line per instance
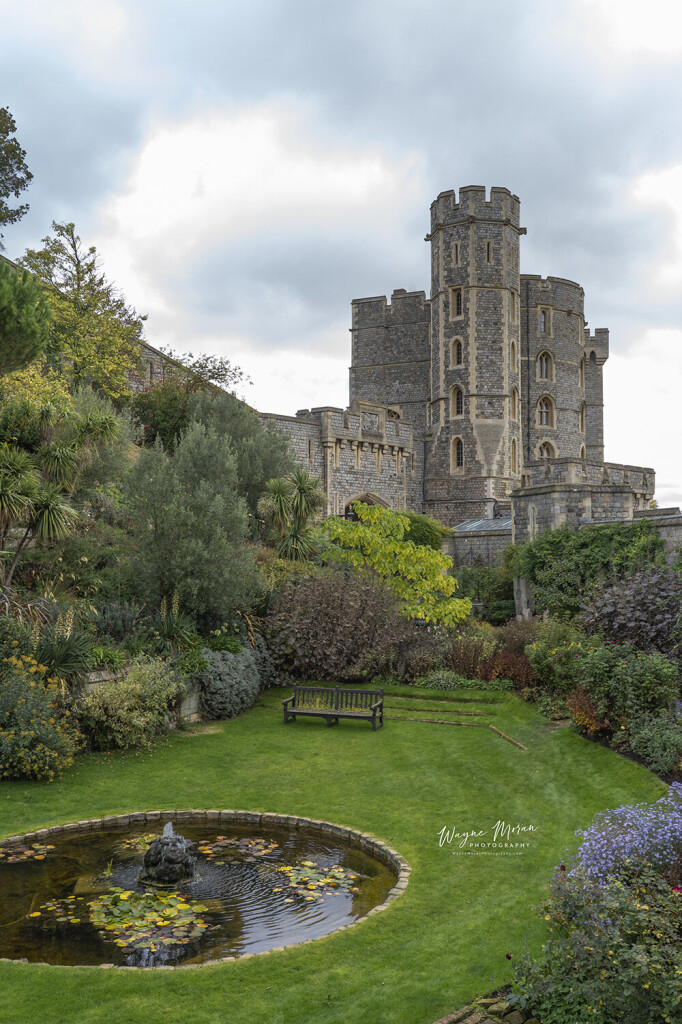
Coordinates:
336 698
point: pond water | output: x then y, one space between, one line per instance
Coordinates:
76 899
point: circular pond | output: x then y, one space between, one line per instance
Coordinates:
74 895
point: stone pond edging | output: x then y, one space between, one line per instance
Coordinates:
357 840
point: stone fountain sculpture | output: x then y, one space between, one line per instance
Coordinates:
170 860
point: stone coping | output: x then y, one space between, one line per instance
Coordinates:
362 841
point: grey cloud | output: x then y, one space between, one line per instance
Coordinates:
483 91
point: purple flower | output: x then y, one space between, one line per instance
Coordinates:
639 834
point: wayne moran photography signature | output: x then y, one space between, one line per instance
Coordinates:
501 836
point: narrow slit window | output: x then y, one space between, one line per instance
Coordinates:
456 302
456 402
457 454
543 322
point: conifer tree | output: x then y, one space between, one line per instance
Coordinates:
14 174
24 319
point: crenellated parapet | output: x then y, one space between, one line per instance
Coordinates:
474 202
364 451
567 492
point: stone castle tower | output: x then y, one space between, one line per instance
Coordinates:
490 387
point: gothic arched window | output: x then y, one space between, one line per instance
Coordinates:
545 412
545 366
545 451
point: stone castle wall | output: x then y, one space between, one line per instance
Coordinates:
487 396
391 353
365 452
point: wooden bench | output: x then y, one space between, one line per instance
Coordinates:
333 704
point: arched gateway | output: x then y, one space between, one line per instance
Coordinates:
368 499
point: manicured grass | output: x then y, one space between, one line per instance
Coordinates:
442 943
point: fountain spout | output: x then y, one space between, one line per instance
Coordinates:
169 861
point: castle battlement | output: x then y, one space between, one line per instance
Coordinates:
599 344
376 311
557 292
473 202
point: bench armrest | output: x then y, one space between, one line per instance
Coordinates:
289 700
379 704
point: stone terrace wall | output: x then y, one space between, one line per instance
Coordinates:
477 547
569 491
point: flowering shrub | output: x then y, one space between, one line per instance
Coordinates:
616 953
616 913
133 710
37 739
640 833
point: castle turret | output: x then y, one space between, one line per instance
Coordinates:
553 369
474 454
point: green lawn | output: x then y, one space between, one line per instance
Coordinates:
442 943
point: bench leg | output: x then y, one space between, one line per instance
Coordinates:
331 721
288 717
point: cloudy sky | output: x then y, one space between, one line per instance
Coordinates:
246 169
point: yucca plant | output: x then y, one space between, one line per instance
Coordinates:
66 652
172 630
59 462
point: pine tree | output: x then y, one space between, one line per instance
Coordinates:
14 174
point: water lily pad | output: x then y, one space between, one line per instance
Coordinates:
311 881
140 844
247 849
149 918
15 854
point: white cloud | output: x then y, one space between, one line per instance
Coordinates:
643 410
662 189
228 175
285 381
630 29
87 32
